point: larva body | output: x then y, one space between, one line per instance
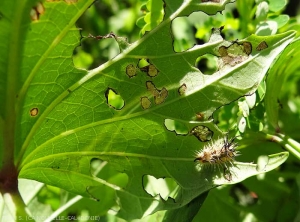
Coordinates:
217 153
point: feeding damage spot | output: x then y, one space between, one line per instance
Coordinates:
164 187
159 95
36 11
247 47
261 46
131 70
182 89
34 112
202 133
235 53
113 99
175 126
200 116
151 70
147 67
145 102
144 66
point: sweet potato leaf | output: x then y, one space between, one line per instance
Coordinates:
65 118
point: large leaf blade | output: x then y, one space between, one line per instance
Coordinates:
76 125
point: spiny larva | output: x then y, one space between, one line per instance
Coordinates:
217 153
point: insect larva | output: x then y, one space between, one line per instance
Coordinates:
220 153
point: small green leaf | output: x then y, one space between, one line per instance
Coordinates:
281 20
277 5
240 171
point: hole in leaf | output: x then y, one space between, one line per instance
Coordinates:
145 102
34 112
207 64
143 63
106 171
202 133
182 89
165 187
261 46
178 127
114 100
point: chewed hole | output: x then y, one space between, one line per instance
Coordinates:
107 172
165 187
114 100
207 64
182 89
178 127
143 63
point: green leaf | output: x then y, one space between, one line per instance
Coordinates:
284 66
277 5
65 118
281 20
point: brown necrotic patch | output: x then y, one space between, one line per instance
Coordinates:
36 11
182 89
34 112
159 95
247 47
131 70
150 69
145 102
200 116
202 133
261 46
113 99
235 53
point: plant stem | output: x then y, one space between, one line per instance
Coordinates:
16 206
288 143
